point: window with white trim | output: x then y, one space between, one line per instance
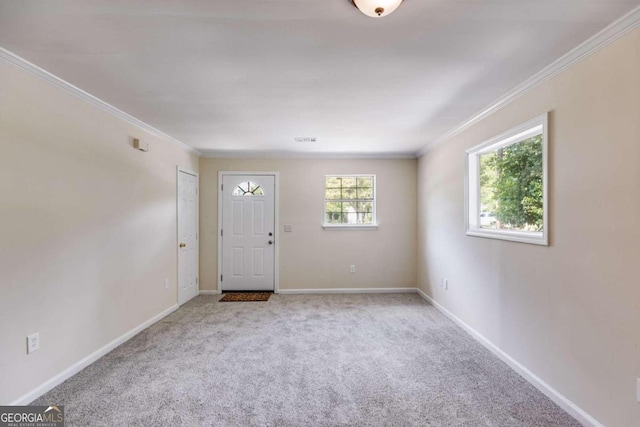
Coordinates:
350 201
506 188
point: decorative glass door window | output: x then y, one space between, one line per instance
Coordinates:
248 188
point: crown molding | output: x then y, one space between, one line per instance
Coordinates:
228 154
609 34
20 63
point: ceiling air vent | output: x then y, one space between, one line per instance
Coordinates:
306 139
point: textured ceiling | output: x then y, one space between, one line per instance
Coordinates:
239 75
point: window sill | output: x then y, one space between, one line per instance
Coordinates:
534 238
349 227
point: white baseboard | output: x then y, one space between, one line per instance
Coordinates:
208 292
349 291
80 365
568 406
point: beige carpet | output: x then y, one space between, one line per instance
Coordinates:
304 360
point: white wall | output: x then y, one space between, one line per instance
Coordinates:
569 312
88 229
314 258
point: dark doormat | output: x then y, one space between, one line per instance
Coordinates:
246 296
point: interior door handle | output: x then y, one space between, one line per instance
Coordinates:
182 245
271 242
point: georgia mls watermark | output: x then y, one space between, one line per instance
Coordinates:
31 416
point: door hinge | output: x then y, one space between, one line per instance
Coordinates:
221 277
196 280
221 232
221 187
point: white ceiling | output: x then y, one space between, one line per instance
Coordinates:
241 75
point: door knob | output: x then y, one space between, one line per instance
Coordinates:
271 242
182 245
270 234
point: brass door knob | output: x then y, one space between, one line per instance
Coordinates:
182 245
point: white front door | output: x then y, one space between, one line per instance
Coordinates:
248 232
187 236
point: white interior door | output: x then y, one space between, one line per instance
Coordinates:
248 232
187 236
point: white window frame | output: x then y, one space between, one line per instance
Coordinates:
538 125
374 223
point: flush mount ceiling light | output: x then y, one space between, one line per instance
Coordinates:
376 8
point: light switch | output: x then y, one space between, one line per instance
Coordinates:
288 229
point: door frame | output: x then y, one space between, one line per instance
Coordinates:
197 175
276 225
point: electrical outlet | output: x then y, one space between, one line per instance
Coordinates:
352 269
166 283
33 342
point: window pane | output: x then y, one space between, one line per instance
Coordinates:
333 207
333 182
488 177
511 187
365 218
256 190
365 181
349 207
349 193
332 193
365 207
348 182
334 217
365 193
350 212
